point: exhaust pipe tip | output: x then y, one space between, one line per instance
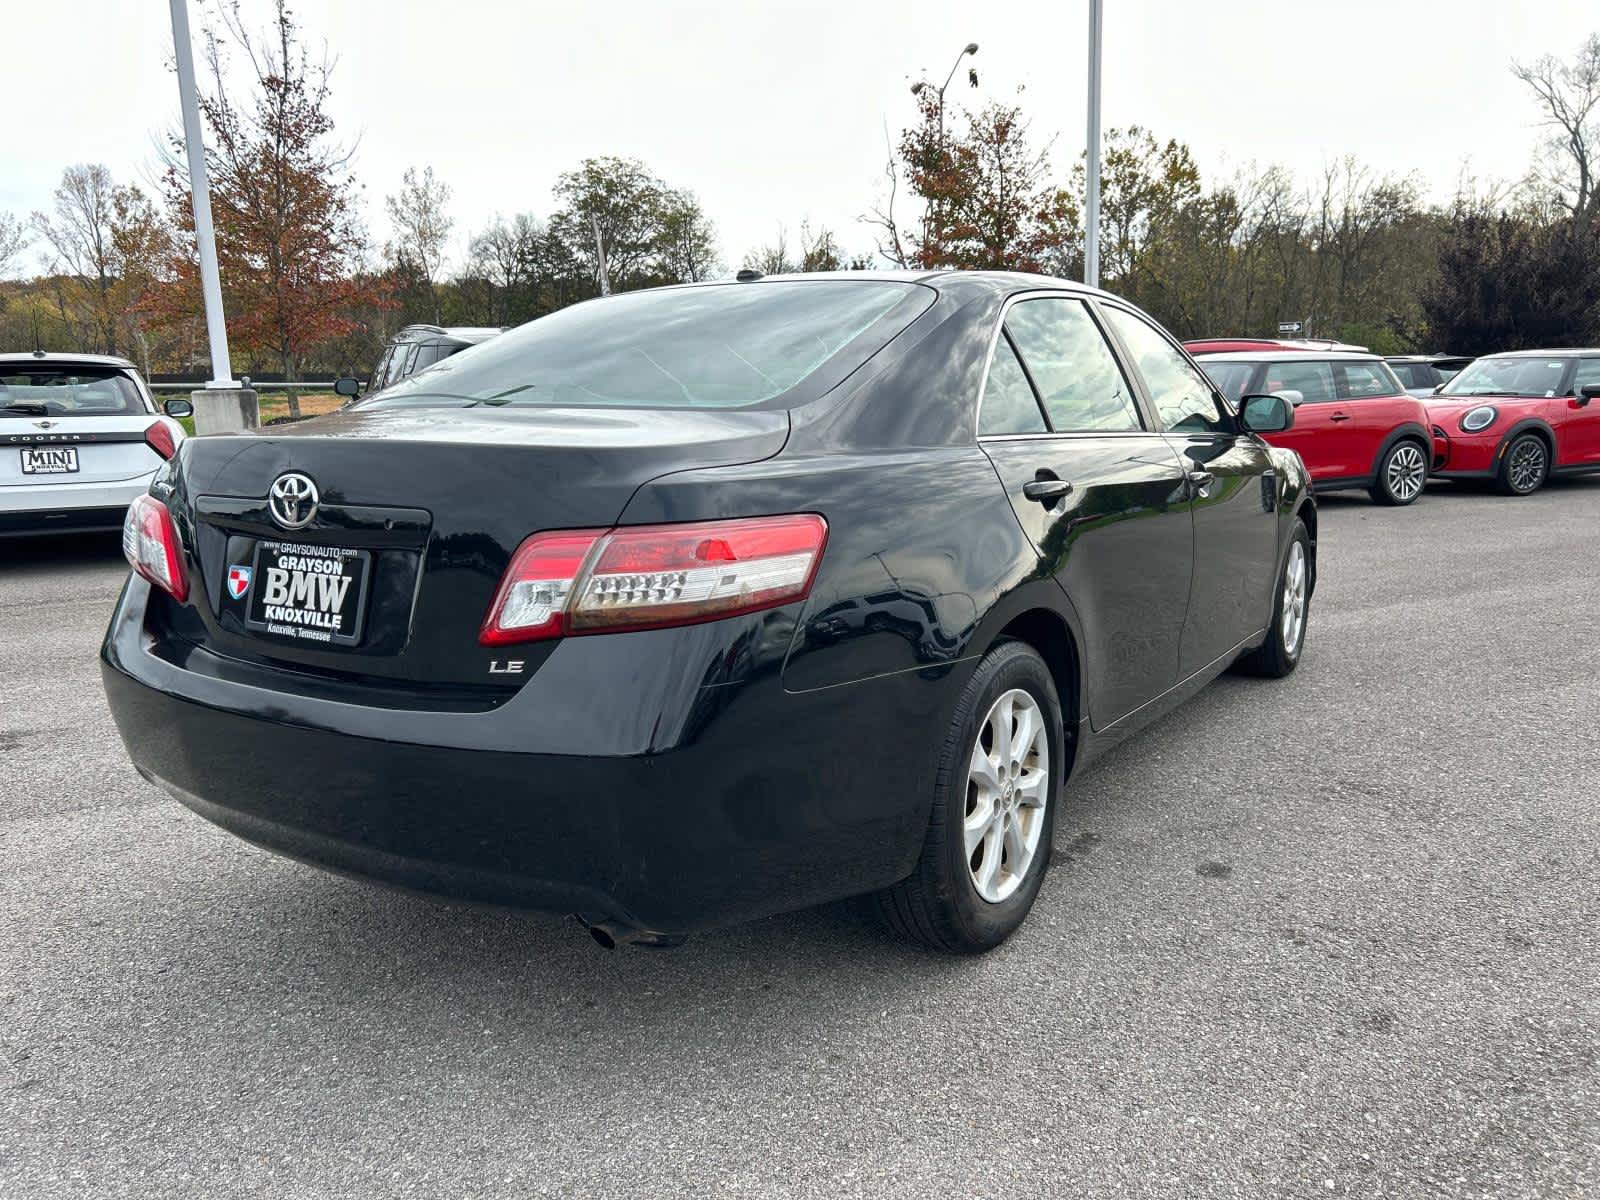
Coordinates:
611 934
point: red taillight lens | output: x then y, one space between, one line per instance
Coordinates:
150 544
159 438
649 576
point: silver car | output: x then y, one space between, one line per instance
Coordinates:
80 437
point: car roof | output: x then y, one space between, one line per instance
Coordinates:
59 357
462 333
1542 353
995 280
1261 356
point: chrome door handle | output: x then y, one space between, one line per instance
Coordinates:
1201 479
1046 491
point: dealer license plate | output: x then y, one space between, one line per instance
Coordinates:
50 460
310 593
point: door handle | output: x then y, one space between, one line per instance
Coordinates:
1201 480
1339 417
1046 489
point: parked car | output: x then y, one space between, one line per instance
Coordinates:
80 437
1422 374
1231 345
1519 418
1355 426
413 349
683 606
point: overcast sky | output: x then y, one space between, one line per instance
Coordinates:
776 111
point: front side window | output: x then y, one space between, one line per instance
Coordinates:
41 390
1313 380
1183 396
1009 405
1588 375
1080 384
1357 381
716 346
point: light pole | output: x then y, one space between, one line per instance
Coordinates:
200 191
1091 235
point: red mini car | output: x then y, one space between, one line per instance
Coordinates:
1519 418
1354 424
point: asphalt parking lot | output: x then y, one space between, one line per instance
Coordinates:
1328 936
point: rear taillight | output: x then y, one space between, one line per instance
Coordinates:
159 438
150 543
649 576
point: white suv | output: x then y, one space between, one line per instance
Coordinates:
80 437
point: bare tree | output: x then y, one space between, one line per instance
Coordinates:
773 257
421 226
13 240
80 233
1569 93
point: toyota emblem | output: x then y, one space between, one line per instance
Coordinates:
292 500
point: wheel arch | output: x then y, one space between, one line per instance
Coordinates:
1410 431
1527 425
1051 636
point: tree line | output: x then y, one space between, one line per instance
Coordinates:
1353 255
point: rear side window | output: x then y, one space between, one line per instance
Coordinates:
1009 405
717 346
62 391
1359 381
1313 380
1079 382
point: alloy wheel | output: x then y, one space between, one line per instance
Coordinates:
1008 786
1406 473
1526 468
1294 599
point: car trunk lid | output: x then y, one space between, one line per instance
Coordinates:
418 512
37 450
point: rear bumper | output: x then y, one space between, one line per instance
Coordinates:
770 801
67 507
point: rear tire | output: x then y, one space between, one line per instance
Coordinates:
1280 654
991 828
1402 474
1525 467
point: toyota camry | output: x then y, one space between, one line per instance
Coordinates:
681 607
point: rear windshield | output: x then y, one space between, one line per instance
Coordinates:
1508 377
1230 377
724 346
66 391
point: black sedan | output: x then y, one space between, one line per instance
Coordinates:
686 606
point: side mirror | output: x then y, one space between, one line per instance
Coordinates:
347 386
1266 414
1588 392
178 408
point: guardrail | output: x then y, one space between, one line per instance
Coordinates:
300 385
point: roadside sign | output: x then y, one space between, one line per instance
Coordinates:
1290 327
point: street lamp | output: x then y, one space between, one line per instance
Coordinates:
921 85
1091 178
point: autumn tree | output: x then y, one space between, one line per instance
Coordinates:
984 189
422 225
289 241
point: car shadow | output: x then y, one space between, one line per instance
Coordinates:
60 550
